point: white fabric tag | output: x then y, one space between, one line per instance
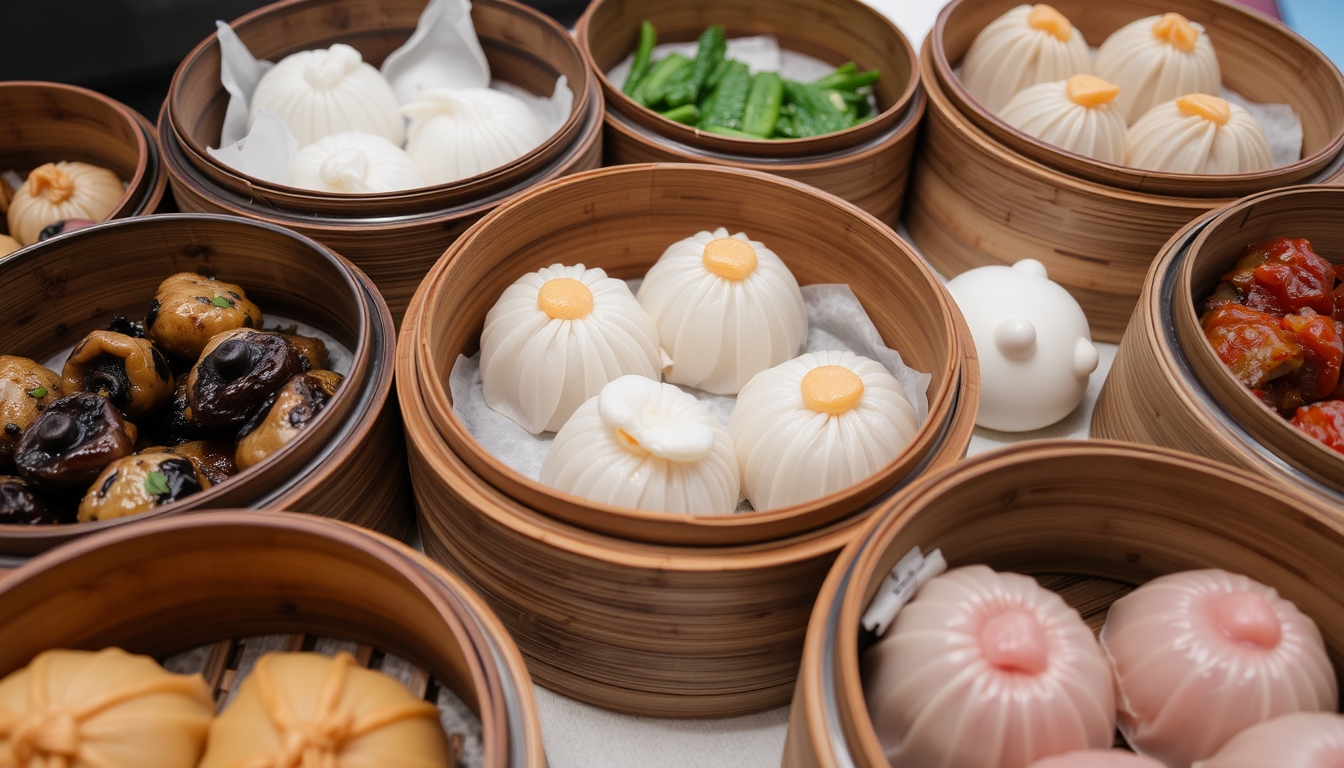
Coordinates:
911 572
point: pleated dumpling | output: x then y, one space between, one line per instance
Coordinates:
987 669
645 445
354 163
1200 656
324 92
726 307
1098 758
1077 115
1299 740
556 337
816 425
1198 134
1029 45
1156 59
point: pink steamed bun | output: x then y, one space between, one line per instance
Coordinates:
1098 758
1299 740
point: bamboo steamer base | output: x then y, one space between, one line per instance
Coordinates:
645 629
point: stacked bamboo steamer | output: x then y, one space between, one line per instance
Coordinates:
983 193
868 164
393 237
52 122
291 582
1070 514
348 462
664 615
1167 386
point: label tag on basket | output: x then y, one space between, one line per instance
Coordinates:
910 573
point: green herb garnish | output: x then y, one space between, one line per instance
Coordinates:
222 302
156 484
38 393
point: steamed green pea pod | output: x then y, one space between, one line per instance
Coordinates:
648 37
687 90
653 87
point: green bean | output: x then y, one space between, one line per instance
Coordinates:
817 111
723 130
715 76
648 37
652 88
712 47
841 72
763 102
729 100
851 82
686 113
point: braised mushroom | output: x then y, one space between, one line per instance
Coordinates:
135 484
189 310
237 373
19 505
312 351
69 444
213 458
26 389
128 371
173 424
302 398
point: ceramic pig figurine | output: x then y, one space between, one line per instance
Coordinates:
1033 342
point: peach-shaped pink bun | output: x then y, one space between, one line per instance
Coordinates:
1299 740
1098 758
1200 656
987 670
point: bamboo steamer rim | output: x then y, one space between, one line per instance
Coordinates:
1126 177
342 404
144 189
181 170
439 594
259 187
690 136
658 527
837 630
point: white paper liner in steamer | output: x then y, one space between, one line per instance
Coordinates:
835 320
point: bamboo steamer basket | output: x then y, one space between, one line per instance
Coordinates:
1168 388
867 164
975 202
51 122
1070 514
295 583
642 210
349 462
708 628
394 237
1259 59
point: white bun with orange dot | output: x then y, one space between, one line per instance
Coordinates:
727 308
645 445
1198 133
556 337
817 424
1028 45
1156 59
1299 740
1077 115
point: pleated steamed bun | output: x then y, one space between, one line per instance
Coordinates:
1200 656
556 337
1029 45
1157 59
987 669
324 92
645 445
726 307
1077 115
354 163
816 425
1299 740
1198 133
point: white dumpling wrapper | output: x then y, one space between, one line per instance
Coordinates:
645 445
1061 114
354 163
789 453
1194 663
938 691
1151 69
1171 139
1299 740
1019 50
459 133
721 331
537 369
324 92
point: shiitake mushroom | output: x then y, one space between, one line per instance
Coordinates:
26 389
312 351
66 447
173 424
139 483
130 372
301 399
237 373
213 458
189 310
20 505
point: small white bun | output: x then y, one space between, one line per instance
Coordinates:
459 133
1028 45
1077 115
1198 134
324 92
645 445
1156 59
354 163
727 308
816 425
556 337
